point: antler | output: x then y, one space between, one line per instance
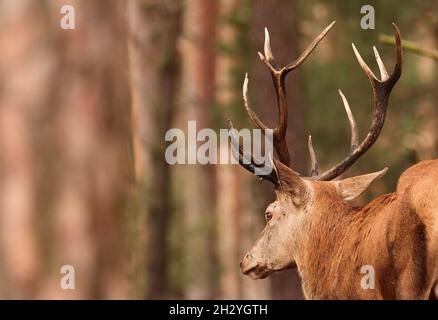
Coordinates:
278 77
249 162
381 90
279 132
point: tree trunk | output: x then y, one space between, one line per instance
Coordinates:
229 197
236 206
63 140
88 130
198 100
284 37
25 92
154 27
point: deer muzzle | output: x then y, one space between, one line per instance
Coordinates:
250 267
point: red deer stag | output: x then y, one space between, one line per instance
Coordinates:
312 226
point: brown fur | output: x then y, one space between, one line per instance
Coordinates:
329 240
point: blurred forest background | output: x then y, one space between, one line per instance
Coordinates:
83 114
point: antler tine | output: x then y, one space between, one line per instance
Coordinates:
384 77
383 73
252 115
248 161
293 65
353 126
396 73
381 90
313 160
267 48
363 65
268 59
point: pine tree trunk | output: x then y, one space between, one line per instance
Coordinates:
198 49
284 38
154 30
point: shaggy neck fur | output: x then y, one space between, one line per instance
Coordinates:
332 242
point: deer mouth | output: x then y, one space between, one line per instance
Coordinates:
257 272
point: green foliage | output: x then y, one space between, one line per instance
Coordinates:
239 50
325 117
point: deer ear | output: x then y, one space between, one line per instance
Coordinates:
351 188
288 179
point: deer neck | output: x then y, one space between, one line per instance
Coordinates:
333 240
319 250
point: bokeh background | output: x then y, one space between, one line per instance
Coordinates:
83 114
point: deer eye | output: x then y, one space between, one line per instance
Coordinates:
268 216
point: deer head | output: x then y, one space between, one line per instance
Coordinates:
301 199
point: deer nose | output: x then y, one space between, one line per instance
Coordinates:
247 262
248 256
